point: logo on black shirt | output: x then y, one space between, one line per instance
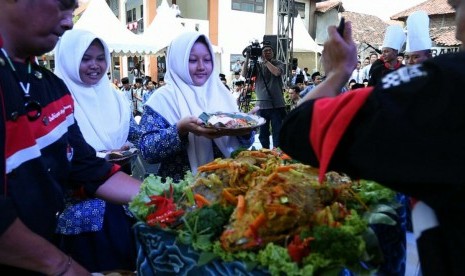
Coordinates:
403 75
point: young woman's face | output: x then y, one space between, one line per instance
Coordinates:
200 63
93 64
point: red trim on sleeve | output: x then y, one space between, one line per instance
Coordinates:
330 119
413 202
81 191
114 169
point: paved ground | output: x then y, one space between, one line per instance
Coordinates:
257 144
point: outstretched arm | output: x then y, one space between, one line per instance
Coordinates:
20 247
339 59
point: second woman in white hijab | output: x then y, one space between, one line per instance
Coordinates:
96 233
172 133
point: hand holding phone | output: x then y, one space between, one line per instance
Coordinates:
340 28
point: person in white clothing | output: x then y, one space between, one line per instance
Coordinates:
357 74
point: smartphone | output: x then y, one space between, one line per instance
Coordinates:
340 28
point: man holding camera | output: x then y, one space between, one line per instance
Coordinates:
269 91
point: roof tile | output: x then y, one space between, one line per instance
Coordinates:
444 36
366 28
431 7
325 6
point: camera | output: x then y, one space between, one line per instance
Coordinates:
254 50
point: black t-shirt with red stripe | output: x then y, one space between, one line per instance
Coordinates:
44 157
408 134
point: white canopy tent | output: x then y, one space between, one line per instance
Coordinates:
302 41
165 27
99 19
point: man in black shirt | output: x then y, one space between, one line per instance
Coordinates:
407 133
43 150
393 41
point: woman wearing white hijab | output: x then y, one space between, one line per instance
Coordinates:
96 233
172 133
102 113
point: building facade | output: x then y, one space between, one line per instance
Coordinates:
230 24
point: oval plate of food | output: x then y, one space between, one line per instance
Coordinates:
117 156
231 120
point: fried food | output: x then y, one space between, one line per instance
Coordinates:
276 207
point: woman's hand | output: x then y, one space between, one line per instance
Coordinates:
195 126
124 147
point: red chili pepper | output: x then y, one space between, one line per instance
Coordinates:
299 249
166 210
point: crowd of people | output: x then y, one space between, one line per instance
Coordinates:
137 93
395 118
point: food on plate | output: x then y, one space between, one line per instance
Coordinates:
223 120
230 120
272 210
116 155
224 179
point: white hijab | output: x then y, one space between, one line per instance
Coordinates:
102 113
179 98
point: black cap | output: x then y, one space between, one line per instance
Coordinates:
314 75
147 79
296 89
267 44
299 78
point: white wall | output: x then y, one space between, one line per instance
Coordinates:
307 10
236 30
324 20
131 4
194 9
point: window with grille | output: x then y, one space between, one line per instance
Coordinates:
257 6
131 16
128 16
